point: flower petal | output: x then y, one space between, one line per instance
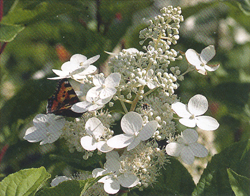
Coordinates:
81 107
90 60
98 172
212 67
111 186
188 122
120 141
198 150
174 149
180 109
128 180
207 123
94 126
107 92
190 136
103 147
131 123
207 54
193 57
98 80
113 80
198 105
134 143
58 180
78 58
33 134
88 143
69 66
148 130
187 155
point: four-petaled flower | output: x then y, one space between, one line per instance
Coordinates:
187 147
116 178
77 68
47 129
94 139
134 133
191 114
93 102
200 60
105 87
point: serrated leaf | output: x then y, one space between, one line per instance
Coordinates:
9 32
69 188
214 180
42 11
240 184
24 182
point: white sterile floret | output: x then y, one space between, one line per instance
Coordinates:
57 180
77 68
116 178
200 60
134 133
46 129
96 136
191 114
105 87
187 147
93 102
149 80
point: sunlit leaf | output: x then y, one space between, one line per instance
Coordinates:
23 183
214 180
42 11
240 184
9 32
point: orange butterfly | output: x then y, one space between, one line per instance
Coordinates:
61 102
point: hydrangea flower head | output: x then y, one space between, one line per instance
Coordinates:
191 114
134 133
187 147
116 178
200 60
77 68
95 138
46 129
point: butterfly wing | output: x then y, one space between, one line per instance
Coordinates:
62 100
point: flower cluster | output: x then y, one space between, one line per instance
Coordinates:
143 86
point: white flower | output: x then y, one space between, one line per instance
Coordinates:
200 60
116 179
47 129
187 147
190 114
77 68
93 102
96 132
134 133
57 180
149 80
105 87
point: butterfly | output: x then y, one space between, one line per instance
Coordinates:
62 100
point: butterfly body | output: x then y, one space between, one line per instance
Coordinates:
62 100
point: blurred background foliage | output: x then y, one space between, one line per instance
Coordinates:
53 30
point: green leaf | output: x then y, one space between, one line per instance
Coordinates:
240 184
173 180
69 188
214 180
244 5
9 32
40 12
25 182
